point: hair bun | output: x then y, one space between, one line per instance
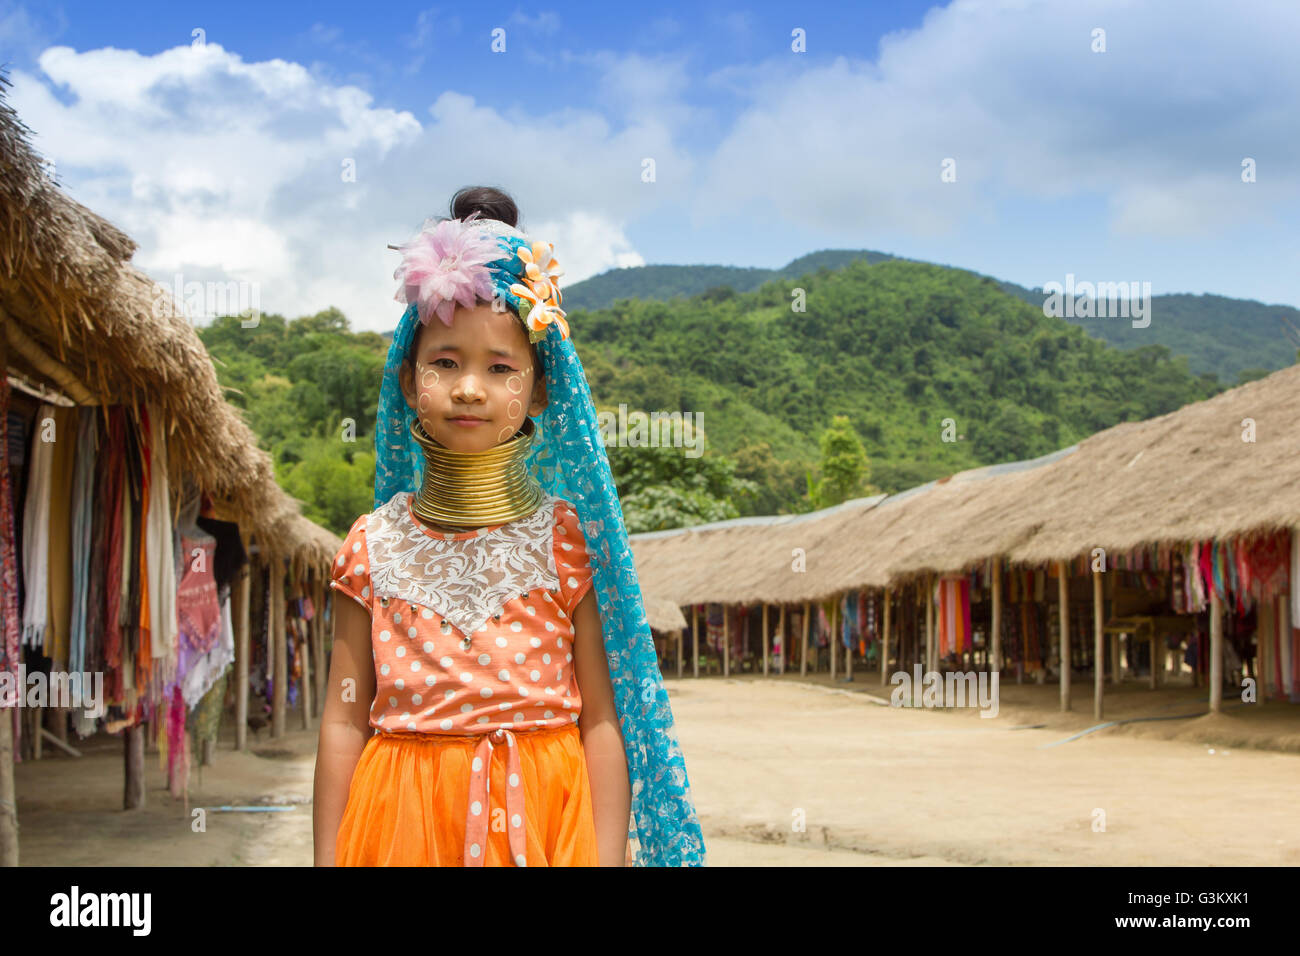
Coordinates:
488 201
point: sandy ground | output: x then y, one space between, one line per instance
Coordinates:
795 773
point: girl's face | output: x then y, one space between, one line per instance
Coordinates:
473 383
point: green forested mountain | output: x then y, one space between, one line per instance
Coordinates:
673 282
855 382
1236 339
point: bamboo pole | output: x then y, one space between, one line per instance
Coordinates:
785 641
8 804
1216 653
1283 618
1063 599
133 795
835 635
931 661
695 640
726 642
803 653
1098 646
995 625
29 349
1266 635
241 656
681 640
305 695
322 663
765 639
280 693
848 657
884 643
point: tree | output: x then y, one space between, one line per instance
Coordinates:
844 466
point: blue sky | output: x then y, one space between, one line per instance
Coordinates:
223 158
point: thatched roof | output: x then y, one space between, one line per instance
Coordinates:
1183 476
744 560
79 318
663 614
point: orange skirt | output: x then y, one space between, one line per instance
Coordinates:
409 797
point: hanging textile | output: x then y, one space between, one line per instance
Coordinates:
36 537
231 554
113 467
164 627
848 619
11 623
83 555
59 589
954 615
1293 573
713 622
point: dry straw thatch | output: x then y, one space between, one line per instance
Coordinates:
73 308
1184 476
663 614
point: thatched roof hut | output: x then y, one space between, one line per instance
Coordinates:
742 560
663 614
78 318
1187 475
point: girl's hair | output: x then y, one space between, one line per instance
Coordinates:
490 203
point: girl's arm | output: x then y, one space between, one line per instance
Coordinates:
345 722
602 740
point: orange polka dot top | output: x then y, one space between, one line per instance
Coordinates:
470 632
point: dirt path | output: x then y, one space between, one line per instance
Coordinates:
872 785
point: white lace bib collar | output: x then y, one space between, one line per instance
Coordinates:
465 578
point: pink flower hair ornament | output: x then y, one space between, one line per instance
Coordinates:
462 261
446 264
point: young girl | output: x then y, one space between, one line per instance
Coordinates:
495 696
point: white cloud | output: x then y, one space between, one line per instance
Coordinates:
226 170
1012 91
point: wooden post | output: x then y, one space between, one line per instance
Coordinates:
1155 667
240 611
1063 598
835 637
8 805
1216 653
930 654
766 640
280 693
305 691
1115 675
1098 645
785 641
995 625
803 653
695 641
1283 624
681 639
726 642
848 657
133 746
884 644
1264 648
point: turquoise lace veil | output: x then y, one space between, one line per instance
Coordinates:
568 459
